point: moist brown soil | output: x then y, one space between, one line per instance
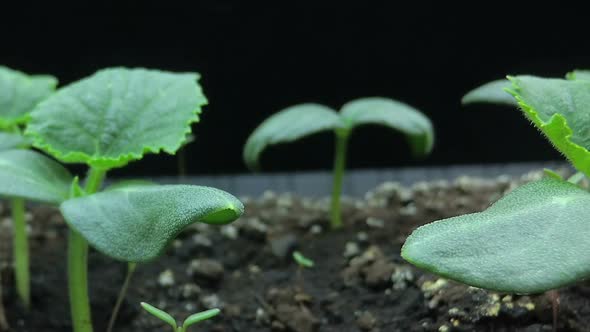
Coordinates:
359 282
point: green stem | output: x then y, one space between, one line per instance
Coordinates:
21 252
181 162
78 265
130 269
339 165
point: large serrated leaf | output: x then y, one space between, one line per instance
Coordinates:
395 115
561 110
491 92
31 175
136 223
287 126
117 115
532 240
12 141
20 93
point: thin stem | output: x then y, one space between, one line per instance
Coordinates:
122 293
78 265
21 251
339 165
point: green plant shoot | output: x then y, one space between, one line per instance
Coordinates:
535 238
191 320
302 261
302 120
19 94
106 121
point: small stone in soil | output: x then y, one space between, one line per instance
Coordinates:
212 301
166 278
205 268
190 291
229 231
366 321
375 222
282 245
351 249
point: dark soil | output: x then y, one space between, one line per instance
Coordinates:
359 283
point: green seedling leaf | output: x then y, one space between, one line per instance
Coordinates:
31 175
559 108
199 317
395 115
302 260
136 223
578 74
130 183
533 240
160 314
287 126
117 115
12 141
552 174
492 92
20 93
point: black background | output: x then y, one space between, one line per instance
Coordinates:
256 58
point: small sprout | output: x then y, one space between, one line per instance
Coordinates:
303 120
191 320
302 260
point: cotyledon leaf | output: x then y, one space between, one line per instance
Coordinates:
579 74
491 92
561 110
287 126
393 114
20 93
117 115
31 175
532 240
12 141
136 223
160 314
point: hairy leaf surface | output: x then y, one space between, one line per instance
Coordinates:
393 114
31 175
532 240
561 110
287 126
136 223
20 93
117 115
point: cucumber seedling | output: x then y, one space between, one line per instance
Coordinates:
105 121
19 94
302 120
191 320
534 239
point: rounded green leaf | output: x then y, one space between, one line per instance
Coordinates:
199 317
492 92
117 115
287 126
136 223
532 240
160 314
12 141
395 115
31 175
559 108
578 74
20 93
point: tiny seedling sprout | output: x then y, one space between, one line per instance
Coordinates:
191 320
296 122
302 261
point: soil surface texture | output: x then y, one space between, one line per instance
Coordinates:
359 281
